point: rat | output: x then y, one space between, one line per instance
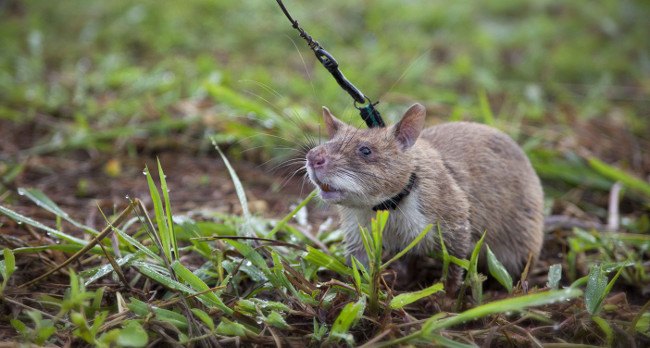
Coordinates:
467 178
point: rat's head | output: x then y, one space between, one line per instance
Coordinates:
364 167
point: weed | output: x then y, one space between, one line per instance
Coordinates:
256 291
88 84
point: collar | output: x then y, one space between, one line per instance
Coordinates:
392 203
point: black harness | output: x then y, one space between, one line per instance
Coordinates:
393 202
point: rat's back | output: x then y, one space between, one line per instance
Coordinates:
505 194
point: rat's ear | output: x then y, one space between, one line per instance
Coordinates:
408 129
332 123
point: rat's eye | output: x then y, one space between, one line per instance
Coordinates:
364 150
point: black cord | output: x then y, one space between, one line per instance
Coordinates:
369 114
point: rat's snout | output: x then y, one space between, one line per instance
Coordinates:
317 157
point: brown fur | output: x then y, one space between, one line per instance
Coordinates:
471 178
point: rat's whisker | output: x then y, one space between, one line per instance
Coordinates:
295 119
288 164
266 87
286 180
302 59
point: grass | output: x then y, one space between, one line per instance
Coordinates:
286 288
258 292
111 85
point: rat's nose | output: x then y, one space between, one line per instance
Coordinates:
317 158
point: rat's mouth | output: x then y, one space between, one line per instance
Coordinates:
328 191
325 187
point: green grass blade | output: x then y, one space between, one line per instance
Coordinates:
641 322
595 291
240 265
445 254
293 213
378 225
350 314
598 288
7 266
43 201
319 258
460 262
251 255
355 274
241 194
271 305
168 210
473 260
23 219
473 278
605 328
498 271
132 335
10 262
162 230
501 306
368 245
230 328
551 164
103 270
276 320
411 245
204 317
280 276
19 326
402 300
610 285
143 309
69 248
208 297
97 299
158 275
139 246
616 174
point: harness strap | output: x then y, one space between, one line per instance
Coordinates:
393 202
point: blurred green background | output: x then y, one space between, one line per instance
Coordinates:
92 91
569 80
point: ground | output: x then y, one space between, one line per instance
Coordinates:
91 94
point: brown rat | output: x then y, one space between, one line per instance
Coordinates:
466 177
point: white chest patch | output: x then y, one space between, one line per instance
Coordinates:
404 224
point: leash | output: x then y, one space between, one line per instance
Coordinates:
367 110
